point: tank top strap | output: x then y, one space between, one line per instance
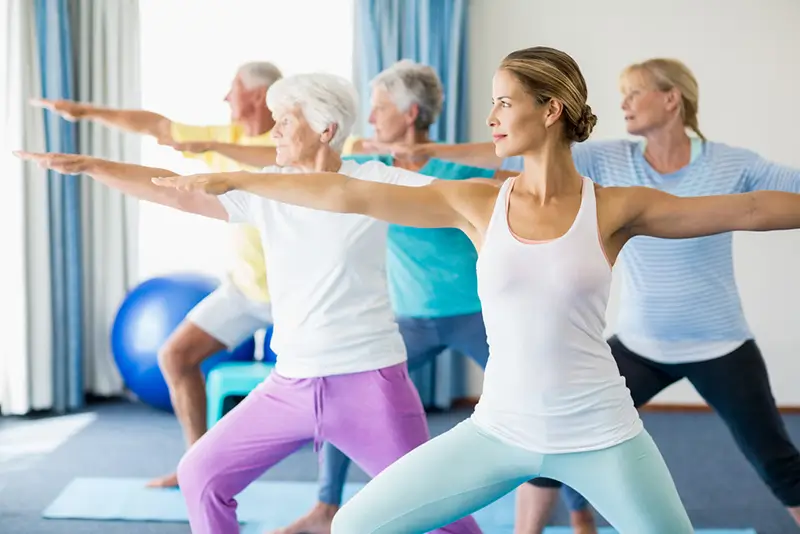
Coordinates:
499 219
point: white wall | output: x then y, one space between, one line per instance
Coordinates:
745 54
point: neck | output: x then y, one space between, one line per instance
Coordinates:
410 138
326 160
258 123
548 173
668 149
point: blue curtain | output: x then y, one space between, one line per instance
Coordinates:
56 60
433 32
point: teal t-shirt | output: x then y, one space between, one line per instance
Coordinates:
431 271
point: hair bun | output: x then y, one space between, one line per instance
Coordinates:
584 124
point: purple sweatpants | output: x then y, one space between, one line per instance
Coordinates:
374 417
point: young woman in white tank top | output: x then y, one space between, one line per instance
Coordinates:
553 404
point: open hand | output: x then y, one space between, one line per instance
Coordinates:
398 150
68 109
212 184
62 163
194 147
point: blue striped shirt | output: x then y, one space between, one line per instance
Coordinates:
679 301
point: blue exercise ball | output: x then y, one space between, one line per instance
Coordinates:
269 355
145 320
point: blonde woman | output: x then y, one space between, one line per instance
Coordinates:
680 311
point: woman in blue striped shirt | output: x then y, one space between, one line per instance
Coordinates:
680 311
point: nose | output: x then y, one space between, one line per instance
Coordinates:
491 120
227 97
371 118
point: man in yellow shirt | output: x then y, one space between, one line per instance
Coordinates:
240 306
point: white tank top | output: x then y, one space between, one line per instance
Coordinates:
551 384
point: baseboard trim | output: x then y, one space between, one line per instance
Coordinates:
470 402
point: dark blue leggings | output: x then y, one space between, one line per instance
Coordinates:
737 387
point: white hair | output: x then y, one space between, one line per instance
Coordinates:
324 99
413 83
258 74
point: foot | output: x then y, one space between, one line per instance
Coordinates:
167 481
583 522
317 521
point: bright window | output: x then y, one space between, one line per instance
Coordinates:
189 56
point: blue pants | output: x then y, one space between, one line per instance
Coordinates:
465 469
425 339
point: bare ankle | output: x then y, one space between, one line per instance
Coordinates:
583 521
325 509
794 511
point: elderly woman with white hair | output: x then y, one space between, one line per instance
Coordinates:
342 375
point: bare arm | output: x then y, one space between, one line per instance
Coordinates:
441 204
251 156
658 214
134 180
473 154
131 120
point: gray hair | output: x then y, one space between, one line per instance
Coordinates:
258 74
413 83
324 99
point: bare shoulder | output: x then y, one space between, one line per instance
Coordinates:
474 199
617 207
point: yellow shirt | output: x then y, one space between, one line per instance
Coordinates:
248 271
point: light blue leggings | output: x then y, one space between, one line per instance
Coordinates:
465 469
425 338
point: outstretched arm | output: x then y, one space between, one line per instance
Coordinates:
131 120
474 154
658 214
440 204
248 155
134 180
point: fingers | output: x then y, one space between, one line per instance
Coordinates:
42 103
31 156
181 183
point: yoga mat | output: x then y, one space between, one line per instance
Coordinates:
263 506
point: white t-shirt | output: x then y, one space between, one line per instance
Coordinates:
327 276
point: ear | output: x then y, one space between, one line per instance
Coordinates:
552 112
673 99
329 133
259 94
411 114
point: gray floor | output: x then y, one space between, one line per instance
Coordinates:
717 485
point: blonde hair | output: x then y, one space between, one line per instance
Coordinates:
547 73
668 74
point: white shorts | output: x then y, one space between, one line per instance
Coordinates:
229 316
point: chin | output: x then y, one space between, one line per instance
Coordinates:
503 150
634 129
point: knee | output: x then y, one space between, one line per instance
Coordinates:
176 359
196 476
